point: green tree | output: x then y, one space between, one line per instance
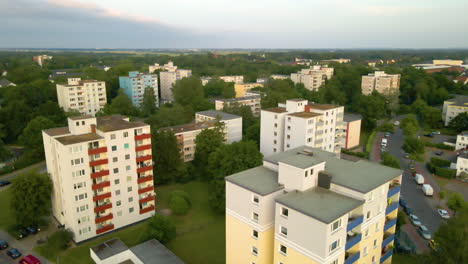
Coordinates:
31 137
410 125
179 202
432 117
456 202
401 220
245 112
228 91
168 164
460 122
413 145
30 199
390 160
120 105
170 115
252 133
207 142
278 91
189 92
148 106
161 228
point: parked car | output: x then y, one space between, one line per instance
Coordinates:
436 132
22 232
419 179
3 244
403 202
4 183
424 232
402 248
387 134
408 210
428 135
439 152
406 156
443 213
13 253
384 142
411 166
29 259
415 220
396 123
427 190
32 230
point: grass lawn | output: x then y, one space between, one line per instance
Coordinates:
200 233
404 259
6 215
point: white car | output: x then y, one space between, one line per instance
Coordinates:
415 220
444 214
424 232
396 123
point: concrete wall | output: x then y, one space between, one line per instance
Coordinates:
353 134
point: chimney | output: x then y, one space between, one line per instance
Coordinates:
324 180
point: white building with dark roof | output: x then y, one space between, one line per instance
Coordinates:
453 107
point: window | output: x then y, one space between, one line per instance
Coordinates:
116 170
81 196
115 159
377 227
334 262
255 199
79 185
114 148
82 208
76 149
117 192
129 178
284 211
254 251
126 145
128 167
371 197
129 189
112 136
255 217
276 125
127 156
274 150
118 203
283 230
283 250
130 210
255 234
375 243
368 215
117 181
365 251
119 213
125 134
366 233
78 161
306 173
274 141
334 245
78 173
130 199
336 225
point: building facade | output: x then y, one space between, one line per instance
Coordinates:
134 86
232 123
166 67
297 123
242 88
85 96
233 78
352 130
252 101
313 77
381 82
462 141
462 166
448 62
306 206
453 107
102 173
168 79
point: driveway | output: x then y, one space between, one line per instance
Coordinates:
25 245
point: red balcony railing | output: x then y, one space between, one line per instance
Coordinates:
142 136
97 150
146 189
143 147
145 179
147 199
102 207
101 196
98 162
100 185
146 168
104 218
147 209
104 229
144 158
99 174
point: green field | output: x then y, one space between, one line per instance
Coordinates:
404 259
6 215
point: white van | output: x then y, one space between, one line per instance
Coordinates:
427 190
418 178
384 142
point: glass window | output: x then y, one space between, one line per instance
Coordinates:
334 245
127 156
130 210
126 145
284 211
112 136
255 199
336 225
125 134
118 203
255 233
254 251
255 217
283 249
129 189
115 159
283 230
114 148
130 199
116 170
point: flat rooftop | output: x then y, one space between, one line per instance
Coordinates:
305 114
259 180
351 117
276 110
319 203
459 100
216 114
59 131
189 127
152 251
116 122
74 139
322 106
109 248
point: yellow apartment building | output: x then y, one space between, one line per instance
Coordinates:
241 88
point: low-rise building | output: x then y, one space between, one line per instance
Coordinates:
241 88
373 63
205 80
307 205
462 79
336 60
352 130
5 83
85 96
102 174
233 78
232 123
279 77
134 86
447 62
168 80
313 77
381 82
252 101
40 59
299 122
166 67
453 107
462 141
299 61
462 166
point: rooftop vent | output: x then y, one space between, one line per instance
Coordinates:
324 179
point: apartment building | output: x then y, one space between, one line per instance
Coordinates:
40 59
462 141
102 172
205 80
168 79
252 101
462 166
134 86
313 77
453 107
307 205
233 78
299 122
381 82
85 96
299 61
242 88
166 67
352 130
232 123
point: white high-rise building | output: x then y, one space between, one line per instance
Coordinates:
297 123
85 96
313 77
102 172
168 79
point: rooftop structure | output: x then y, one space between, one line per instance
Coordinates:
5 83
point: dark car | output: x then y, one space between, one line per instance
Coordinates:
32 230
4 183
3 244
402 248
403 203
13 253
428 135
408 210
439 152
22 232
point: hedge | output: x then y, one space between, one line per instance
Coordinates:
439 146
357 154
370 140
442 172
440 162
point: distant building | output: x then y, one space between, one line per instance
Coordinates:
432 68
336 60
115 251
134 86
5 83
66 73
313 77
461 79
462 141
40 59
373 63
381 82
252 101
453 107
166 67
168 80
447 62
233 78
241 88
205 80
279 77
84 96
306 62
352 129
102 67
4 73
262 80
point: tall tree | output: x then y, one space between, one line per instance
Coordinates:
31 137
161 228
189 92
148 107
456 202
170 115
460 122
30 200
168 164
121 104
207 142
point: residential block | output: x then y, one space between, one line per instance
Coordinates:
381 82
242 88
462 141
134 86
252 101
313 77
168 80
166 67
84 96
453 107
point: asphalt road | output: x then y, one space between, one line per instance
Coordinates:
24 246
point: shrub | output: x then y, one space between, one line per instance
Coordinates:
369 141
56 243
445 173
390 160
440 162
179 202
357 154
161 228
439 146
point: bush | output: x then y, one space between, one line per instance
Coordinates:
357 154
161 228
390 160
440 162
387 127
445 173
439 171
56 243
439 146
179 202
369 141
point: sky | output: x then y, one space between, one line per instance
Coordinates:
302 24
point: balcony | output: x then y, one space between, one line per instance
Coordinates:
394 189
95 151
352 241
143 158
352 223
390 208
98 174
100 185
385 256
147 199
142 136
145 168
102 207
104 229
147 209
103 218
387 240
143 147
146 189
98 162
389 224
350 259
145 179
101 196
